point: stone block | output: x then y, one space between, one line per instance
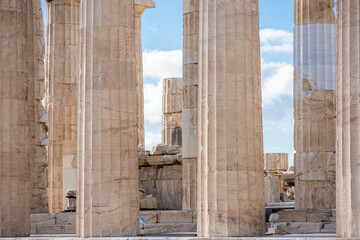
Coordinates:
149 202
319 215
149 216
175 216
329 228
315 194
301 227
148 173
148 186
50 229
43 218
172 120
315 166
276 162
173 172
70 229
168 228
168 193
288 177
66 218
172 95
162 149
142 158
162 160
172 136
272 189
293 215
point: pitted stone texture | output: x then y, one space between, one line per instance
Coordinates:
62 70
348 120
314 103
172 111
314 11
23 161
231 158
272 189
276 162
108 174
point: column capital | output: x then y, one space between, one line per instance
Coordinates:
142 5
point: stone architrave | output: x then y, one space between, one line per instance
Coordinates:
62 74
314 103
140 7
172 106
190 102
231 159
348 120
21 87
108 173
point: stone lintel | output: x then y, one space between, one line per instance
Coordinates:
142 5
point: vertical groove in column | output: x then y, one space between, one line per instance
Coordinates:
230 161
36 110
314 103
348 115
62 80
190 102
108 185
19 71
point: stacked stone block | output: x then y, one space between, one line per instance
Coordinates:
231 159
62 73
314 103
108 174
172 111
190 101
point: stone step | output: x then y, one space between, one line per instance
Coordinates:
310 215
307 227
168 228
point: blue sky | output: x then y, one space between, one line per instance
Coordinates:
162 52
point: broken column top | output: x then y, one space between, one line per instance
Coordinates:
314 11
142 5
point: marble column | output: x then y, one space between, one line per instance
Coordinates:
190 102
230 172
108 174
140 7
314 103
172 105
62 64
348 120
36 109
21 62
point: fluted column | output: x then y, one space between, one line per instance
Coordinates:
108 174
314 103
36 109
190 102
62 64
348 120
21 62
230 161
140 7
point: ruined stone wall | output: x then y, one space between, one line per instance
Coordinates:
314 103
172 111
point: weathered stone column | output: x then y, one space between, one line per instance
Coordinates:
62 64
348 120
140 7
21 62
190 102
231 159
108 173
172 105
36 110
314 103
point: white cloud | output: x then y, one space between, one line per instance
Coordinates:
273 40
157 66
162 64
277 81
152 139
